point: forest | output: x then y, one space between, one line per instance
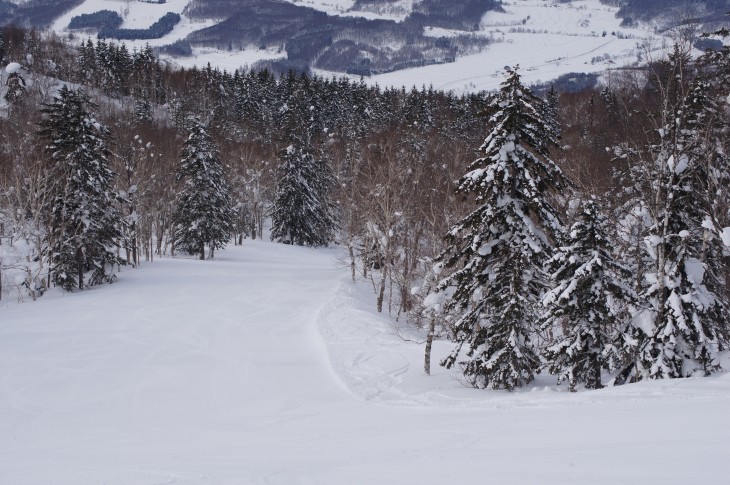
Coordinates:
581 233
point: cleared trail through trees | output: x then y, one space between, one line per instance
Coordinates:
266 366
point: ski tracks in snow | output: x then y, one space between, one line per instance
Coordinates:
372 361
362 350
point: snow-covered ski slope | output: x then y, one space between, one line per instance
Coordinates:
268 366
545 37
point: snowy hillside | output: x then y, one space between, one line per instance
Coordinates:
546 38
267 366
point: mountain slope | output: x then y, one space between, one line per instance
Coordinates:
459 45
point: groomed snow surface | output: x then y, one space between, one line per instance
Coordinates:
268 366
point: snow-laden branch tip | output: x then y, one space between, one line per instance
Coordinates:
725 236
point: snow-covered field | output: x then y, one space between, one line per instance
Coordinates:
136 15
268 366
546 38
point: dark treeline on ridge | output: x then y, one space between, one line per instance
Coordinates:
586 233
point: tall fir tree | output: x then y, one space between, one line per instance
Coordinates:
586 304
83 221
303 212
501 247
204 213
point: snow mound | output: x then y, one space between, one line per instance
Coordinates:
13 68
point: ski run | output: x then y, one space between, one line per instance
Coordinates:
268 365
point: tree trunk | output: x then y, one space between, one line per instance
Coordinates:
429 344
80 267
135 255
381 292
352 260
202 251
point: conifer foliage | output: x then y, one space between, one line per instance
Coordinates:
679 332
204 214
16 88
84 223
586 303
303 213
501 247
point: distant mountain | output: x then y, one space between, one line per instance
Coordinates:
34 13
375 37
669 13
351 44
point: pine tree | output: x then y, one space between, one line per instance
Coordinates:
303 212
16 88
143 109
589 295
86 62
551 112
83 221
204 214
502 245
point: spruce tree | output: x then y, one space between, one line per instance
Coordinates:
16 88
204 213
143 109
83 221
303 212
680 330
501 247
586 304
686 317
551 112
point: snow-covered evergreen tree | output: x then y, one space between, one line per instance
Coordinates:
678 333
16 88
84 223
586 304
143 109
204 214
303 211
501 247
551 111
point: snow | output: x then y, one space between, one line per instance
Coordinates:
725 236
555 39
12 68
228 60
332 7
547 39
136 14
268 366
